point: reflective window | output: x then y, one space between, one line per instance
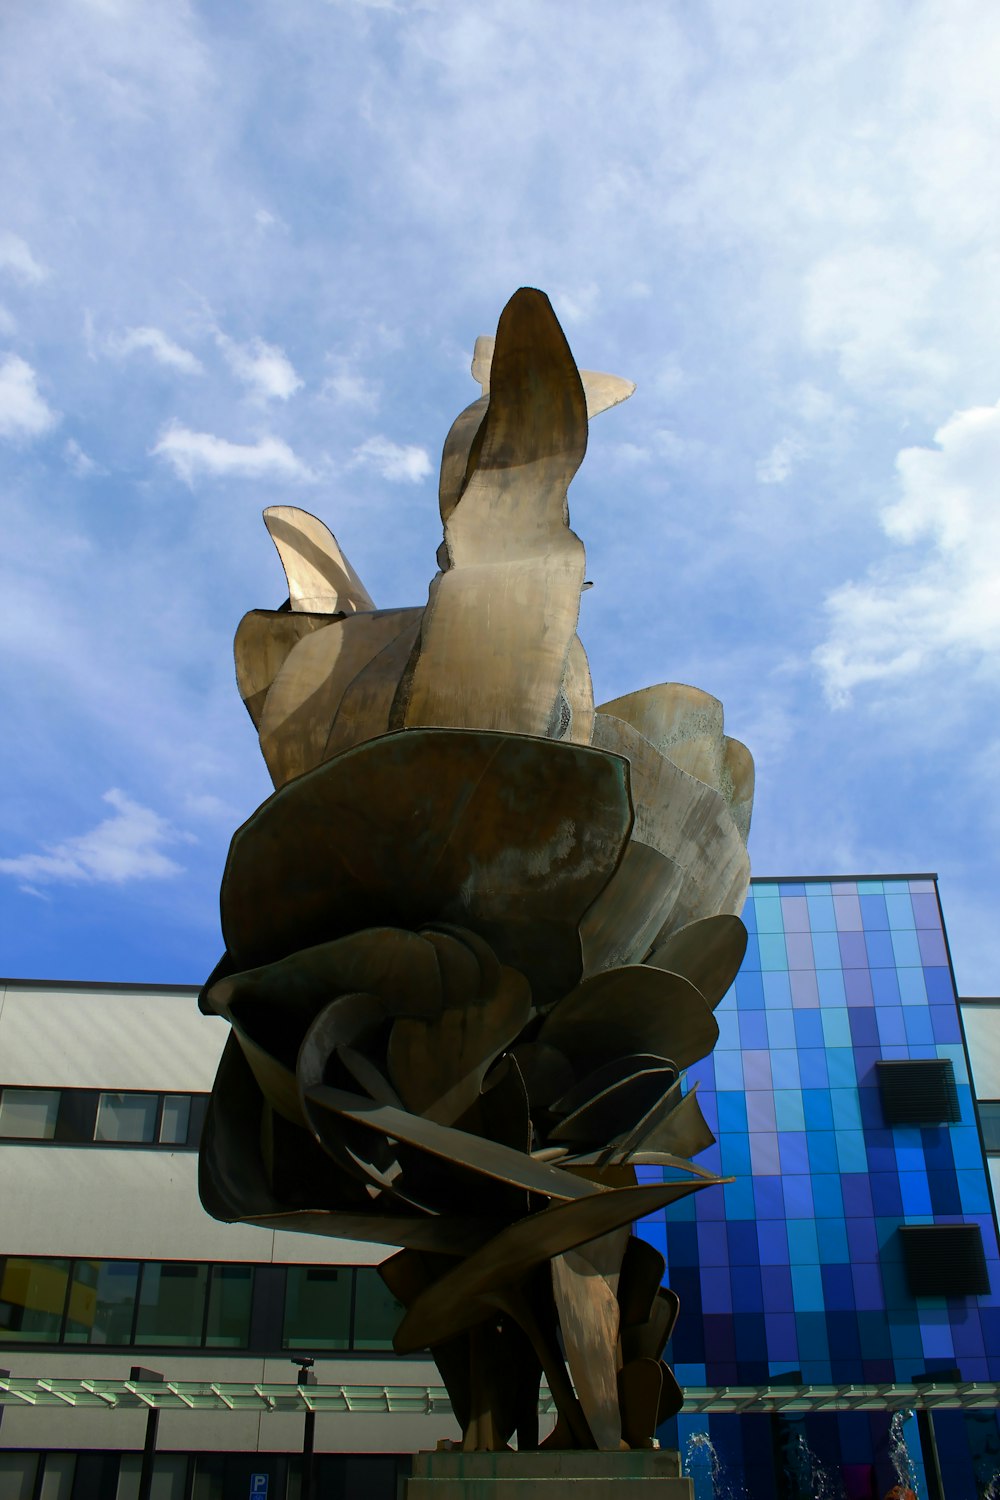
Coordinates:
229 1307
126 1117
32 1297
169 1476
376 1311
17 1475
102 1302
29 1114
989 1115
175 1119
57 1479
171 1303
317 1307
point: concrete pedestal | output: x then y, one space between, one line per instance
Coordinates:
648 1474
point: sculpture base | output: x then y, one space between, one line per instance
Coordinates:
555 1475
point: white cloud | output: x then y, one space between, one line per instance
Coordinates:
265 369
124 847
159 345
16 257
777 465
8 324
192 453
925 609
402 464
350 388
81 464
24 413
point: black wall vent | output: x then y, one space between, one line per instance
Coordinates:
918 1093
945 1260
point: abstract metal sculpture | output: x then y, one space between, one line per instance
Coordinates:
478 932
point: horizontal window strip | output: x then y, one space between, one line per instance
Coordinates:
126 1304
105 1118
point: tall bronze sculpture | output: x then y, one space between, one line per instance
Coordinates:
478 931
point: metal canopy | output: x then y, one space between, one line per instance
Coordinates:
419 1400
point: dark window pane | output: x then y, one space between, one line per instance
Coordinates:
208 1473
989 1114
17 1475
126 1117
171 1303
169 1476
199 1109
77 1115
101 1302
32 1296
229 1307
376 1311
317 1307
29 1114
174 1121
57 1480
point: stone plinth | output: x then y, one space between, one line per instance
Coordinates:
549 1476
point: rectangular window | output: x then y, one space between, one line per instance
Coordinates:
229 1307
102 1302
989 1116
126 1117
32 1298
28 1114
175 1119
17 1475
170 1472
57 1478
171 1303
376 1311
317 1307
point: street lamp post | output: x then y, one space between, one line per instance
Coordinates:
307 1377
139 1372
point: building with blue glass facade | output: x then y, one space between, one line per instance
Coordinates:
803 1269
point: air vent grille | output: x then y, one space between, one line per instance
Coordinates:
922 1092
945 1260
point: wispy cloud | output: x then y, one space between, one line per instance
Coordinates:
16 259
81 464
24 412
918 610
124 847
399 463
193 453
162 348
264 369
777 465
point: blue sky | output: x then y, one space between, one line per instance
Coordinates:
245 251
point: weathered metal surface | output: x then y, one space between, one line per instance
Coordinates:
320 579
510 836
444 1036
305 697
500 619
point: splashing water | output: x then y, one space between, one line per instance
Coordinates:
812 1478
992 1490
703 1465
899 1453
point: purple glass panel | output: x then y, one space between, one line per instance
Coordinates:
716 1289
848 912
856 1189
712 1244
805 993
853 952
858 987
778 1293
867 1281
864 1027
795 914
757 1070
798 946
925 909
931 943
862 1241
760 1110
764 1157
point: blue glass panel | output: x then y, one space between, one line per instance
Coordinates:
905 948
817 1109
791 887
912 988
915 1193
821 913
785 1069
853 951
885 986
864 1027
788 1111
772 1242
828 1201
772 951
974 1191
777 990
747 1294
823 1154
856 1188
813 1070
830 983
728 1070
732 1111
858 987
769 1199
751 959
840 1067
749 990
917 1022
807 1286
940 990
798 1196
900 910
753 1028
851 1153
944 1020
932 948
712 1243
837 1027
768 913
738 1198
873 911
780 1028
717 1289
